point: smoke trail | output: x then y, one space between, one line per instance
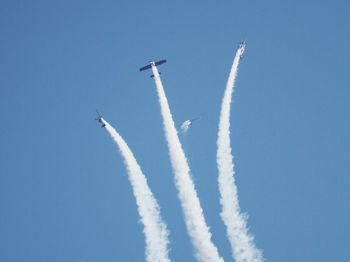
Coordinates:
193 213
242 242
155 231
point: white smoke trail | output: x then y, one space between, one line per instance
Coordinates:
196 226
155 231
242 242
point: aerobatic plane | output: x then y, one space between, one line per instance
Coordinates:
189 122
185 125
153 63
99 119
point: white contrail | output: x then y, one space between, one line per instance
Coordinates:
155 230
196 226
242 242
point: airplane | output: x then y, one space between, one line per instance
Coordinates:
189 122
99 119
153 63
242 46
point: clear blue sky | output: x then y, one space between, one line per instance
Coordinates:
64 193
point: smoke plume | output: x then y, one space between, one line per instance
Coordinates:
155 230
242 242
196 226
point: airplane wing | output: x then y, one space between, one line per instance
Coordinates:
160 62
145 67
154 63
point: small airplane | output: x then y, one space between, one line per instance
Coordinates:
185 125
99 119
189 122
242 46
153 63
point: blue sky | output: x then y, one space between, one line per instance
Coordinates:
64 193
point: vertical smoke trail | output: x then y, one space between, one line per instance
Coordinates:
155 231
193 213
242 242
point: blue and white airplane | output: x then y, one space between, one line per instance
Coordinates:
99 119
153 63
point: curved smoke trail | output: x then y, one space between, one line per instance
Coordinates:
242 242
155 231
193 213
